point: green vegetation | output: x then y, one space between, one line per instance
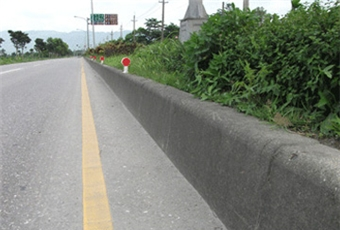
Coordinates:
269 67
1 41
18 59
56 47
159 61
19 40
152 32
283 70
114 48
52 48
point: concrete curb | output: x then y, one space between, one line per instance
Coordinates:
252 175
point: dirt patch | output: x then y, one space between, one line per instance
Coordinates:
331 142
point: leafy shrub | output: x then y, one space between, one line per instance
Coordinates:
160 61
268 66
115 48
168 53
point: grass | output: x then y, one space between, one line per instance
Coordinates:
18 59
147 67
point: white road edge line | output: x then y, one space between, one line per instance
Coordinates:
8 71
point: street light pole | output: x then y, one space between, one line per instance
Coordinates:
93 33
87 28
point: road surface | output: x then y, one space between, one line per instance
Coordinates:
56 147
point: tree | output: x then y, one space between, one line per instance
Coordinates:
19 40
152 24
140 36
3 52
57 47
262 14
295 4
171 31
153 28
1 41
152 32
40 46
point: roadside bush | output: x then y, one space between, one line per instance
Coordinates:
115 48
271 67
167 54
160 61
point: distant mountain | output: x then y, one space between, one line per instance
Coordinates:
75 39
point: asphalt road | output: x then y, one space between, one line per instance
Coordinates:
41 156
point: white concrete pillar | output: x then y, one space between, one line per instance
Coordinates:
194 17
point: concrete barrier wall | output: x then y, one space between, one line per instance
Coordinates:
253 175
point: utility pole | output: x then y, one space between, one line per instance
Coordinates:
163 6
111 35
134 28
121 31
245 4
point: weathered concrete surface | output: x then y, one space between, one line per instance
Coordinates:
189 26
195 10
193 19
253 175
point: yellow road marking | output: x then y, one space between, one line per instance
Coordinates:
96 207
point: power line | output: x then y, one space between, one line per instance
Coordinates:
152 8
180 7
150 11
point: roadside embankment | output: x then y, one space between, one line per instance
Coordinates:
252 174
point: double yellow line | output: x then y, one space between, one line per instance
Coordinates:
96 207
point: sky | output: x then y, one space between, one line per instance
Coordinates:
58 15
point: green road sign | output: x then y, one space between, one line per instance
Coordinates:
97 19
104 19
